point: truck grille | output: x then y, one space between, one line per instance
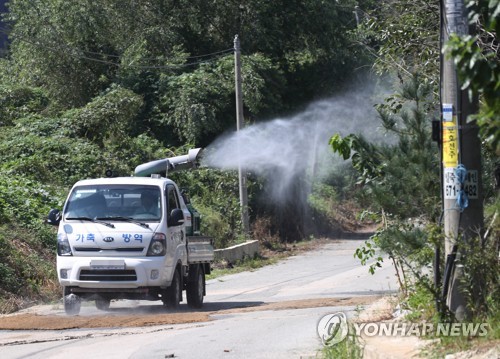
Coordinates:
109 275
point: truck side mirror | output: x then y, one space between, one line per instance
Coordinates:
54 217
176 218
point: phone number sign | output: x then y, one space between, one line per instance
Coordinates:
452 186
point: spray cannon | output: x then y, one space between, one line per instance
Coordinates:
171 164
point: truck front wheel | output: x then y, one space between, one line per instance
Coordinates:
172 295
196 289
72 302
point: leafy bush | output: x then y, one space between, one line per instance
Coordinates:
321 198
27 245
18 102
324 204
27 270
410 245
108 118
26 201
481 267
58 160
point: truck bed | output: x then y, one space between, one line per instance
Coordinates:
200 249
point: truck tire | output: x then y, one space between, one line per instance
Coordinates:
173 293
72 302
102 303
195 289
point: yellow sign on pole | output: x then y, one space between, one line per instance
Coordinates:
450 137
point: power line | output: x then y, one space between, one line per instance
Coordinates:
82 54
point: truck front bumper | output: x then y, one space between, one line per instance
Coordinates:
113 272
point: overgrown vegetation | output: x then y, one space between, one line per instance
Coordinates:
349 348
399 180
477 62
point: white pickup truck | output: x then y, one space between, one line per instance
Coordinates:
131 238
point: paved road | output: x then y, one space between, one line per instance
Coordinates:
281 308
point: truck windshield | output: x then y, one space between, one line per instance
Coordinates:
115 202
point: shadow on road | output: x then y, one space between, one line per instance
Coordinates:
356 235
218 306
128 307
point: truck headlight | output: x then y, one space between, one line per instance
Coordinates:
63 247
158 245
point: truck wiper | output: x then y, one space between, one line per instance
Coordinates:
127 219
95 220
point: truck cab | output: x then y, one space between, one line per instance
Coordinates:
129 238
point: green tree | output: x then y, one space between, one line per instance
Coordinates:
400 179
199 105
478 65
403 37
296 51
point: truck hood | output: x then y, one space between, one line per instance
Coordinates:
97 239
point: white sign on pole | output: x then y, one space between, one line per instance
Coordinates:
452 186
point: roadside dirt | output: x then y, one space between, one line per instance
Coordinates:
56 322
55 319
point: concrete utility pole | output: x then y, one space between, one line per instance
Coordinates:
239 125
463 210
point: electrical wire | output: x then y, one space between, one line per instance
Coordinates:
88 55
49 24
156 58
82 54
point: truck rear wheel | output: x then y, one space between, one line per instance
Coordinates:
72 302
195 290
172 296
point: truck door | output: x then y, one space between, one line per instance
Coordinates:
177 235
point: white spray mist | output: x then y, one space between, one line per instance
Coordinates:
283 149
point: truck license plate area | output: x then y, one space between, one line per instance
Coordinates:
110 264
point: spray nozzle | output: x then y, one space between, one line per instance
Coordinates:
170 164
